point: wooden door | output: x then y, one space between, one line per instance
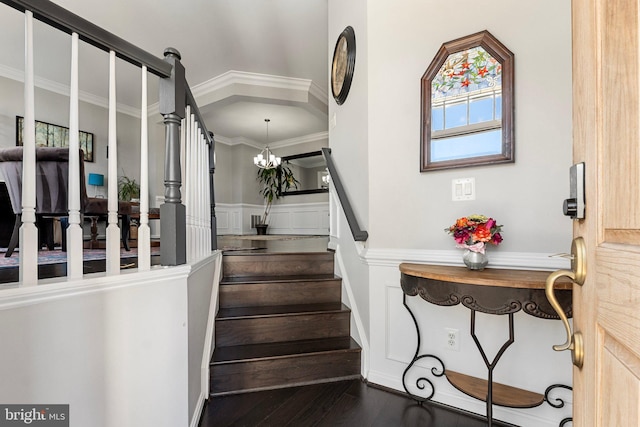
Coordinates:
606 129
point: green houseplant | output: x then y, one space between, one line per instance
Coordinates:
274 182
128 189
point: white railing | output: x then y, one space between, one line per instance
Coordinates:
193 147
194 158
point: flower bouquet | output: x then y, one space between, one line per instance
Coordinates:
474 232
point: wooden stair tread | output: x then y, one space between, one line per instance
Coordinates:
281 323
503 395
239 280
243 353
279 310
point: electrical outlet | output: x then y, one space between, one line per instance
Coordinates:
451 339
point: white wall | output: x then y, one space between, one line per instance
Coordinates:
519 195
121 351
349 142
376 145
202 299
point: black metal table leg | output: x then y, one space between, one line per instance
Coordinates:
436 371
490 365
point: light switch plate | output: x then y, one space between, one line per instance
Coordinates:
463 189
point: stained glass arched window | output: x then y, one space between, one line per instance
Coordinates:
467 104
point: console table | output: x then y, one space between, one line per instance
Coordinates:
492 291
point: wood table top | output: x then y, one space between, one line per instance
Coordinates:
522 279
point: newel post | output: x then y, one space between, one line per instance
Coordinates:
212 170
173 247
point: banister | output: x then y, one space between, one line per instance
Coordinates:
359 235
69 22
175 94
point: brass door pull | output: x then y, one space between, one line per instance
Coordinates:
577 274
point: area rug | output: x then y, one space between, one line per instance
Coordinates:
57 256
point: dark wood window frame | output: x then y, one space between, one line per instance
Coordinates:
496 49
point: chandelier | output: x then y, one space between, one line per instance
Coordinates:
266 159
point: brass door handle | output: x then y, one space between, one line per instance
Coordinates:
577 274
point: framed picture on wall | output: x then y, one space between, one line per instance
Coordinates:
49 135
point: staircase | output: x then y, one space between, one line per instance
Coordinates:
281 323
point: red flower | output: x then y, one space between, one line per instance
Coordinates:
482 234
465 83
483 71
475 230
465 66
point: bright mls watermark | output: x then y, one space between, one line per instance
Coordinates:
34 415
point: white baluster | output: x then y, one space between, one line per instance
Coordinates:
206 210
74 232
198 178
28 232
204 195
194 176
206 220
184 157
198 191
194 188
113 231
144 233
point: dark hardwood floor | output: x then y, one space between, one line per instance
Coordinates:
10 276
350 403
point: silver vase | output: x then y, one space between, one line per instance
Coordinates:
475 260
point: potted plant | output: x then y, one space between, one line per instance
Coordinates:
274 182
128 189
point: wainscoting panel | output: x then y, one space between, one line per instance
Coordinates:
222 220
399 347
299 218
229 218
279 220
302 218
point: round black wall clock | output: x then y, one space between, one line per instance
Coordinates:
344 61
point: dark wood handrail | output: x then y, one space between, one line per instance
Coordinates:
359 235
196 111
68 22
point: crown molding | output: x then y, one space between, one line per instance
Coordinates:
277 144
255 79
225 81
